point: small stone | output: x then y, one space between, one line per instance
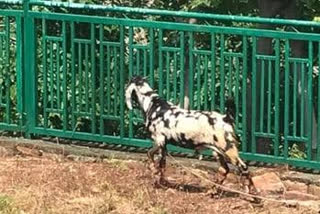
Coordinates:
74 157
295 186
314 190
312 205
268 183
89 159
52 156
29 152
95 189
296 195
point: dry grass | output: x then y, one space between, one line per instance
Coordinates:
38 185
52 184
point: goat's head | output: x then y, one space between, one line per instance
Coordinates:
139 91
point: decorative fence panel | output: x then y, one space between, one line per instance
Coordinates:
64 67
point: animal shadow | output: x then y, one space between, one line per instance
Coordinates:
212 192
189 188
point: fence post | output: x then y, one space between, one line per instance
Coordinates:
29 72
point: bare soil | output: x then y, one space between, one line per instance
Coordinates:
39 182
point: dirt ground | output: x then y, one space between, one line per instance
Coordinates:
51 183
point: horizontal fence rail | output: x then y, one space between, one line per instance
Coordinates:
63 74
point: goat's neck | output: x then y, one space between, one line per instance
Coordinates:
147 102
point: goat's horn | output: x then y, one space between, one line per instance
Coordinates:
128 95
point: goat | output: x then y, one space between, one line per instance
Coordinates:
192 129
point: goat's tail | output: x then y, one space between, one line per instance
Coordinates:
230 111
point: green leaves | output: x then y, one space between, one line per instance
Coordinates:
194 4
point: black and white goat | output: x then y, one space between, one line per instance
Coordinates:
192 129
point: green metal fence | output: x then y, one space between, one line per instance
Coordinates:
64 67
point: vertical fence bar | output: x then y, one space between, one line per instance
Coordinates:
318 109
244 94
213 71
302 104
276 98
151 56
168 75
198 67
115 80
64 55
138 61
1 46
310 103
93 78
51 75
122 49
130 75
222 73
57 71
286 99
101 77
237 91
143 59
108 78
254 101
7 69
20 77
145 73
86 77
191 76
175 80
182 68
229 76
3 54
295 90
80 75
206 64
130 51
73 77
160 43
262 92
269 96
30 70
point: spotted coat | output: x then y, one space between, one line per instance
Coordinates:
192 129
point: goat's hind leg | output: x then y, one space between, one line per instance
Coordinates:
223 169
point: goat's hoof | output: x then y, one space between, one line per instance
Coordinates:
246 181
212 193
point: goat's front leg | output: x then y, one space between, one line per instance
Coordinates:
197 151
151 154
158 169
162 163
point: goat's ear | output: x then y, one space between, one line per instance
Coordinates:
130 89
